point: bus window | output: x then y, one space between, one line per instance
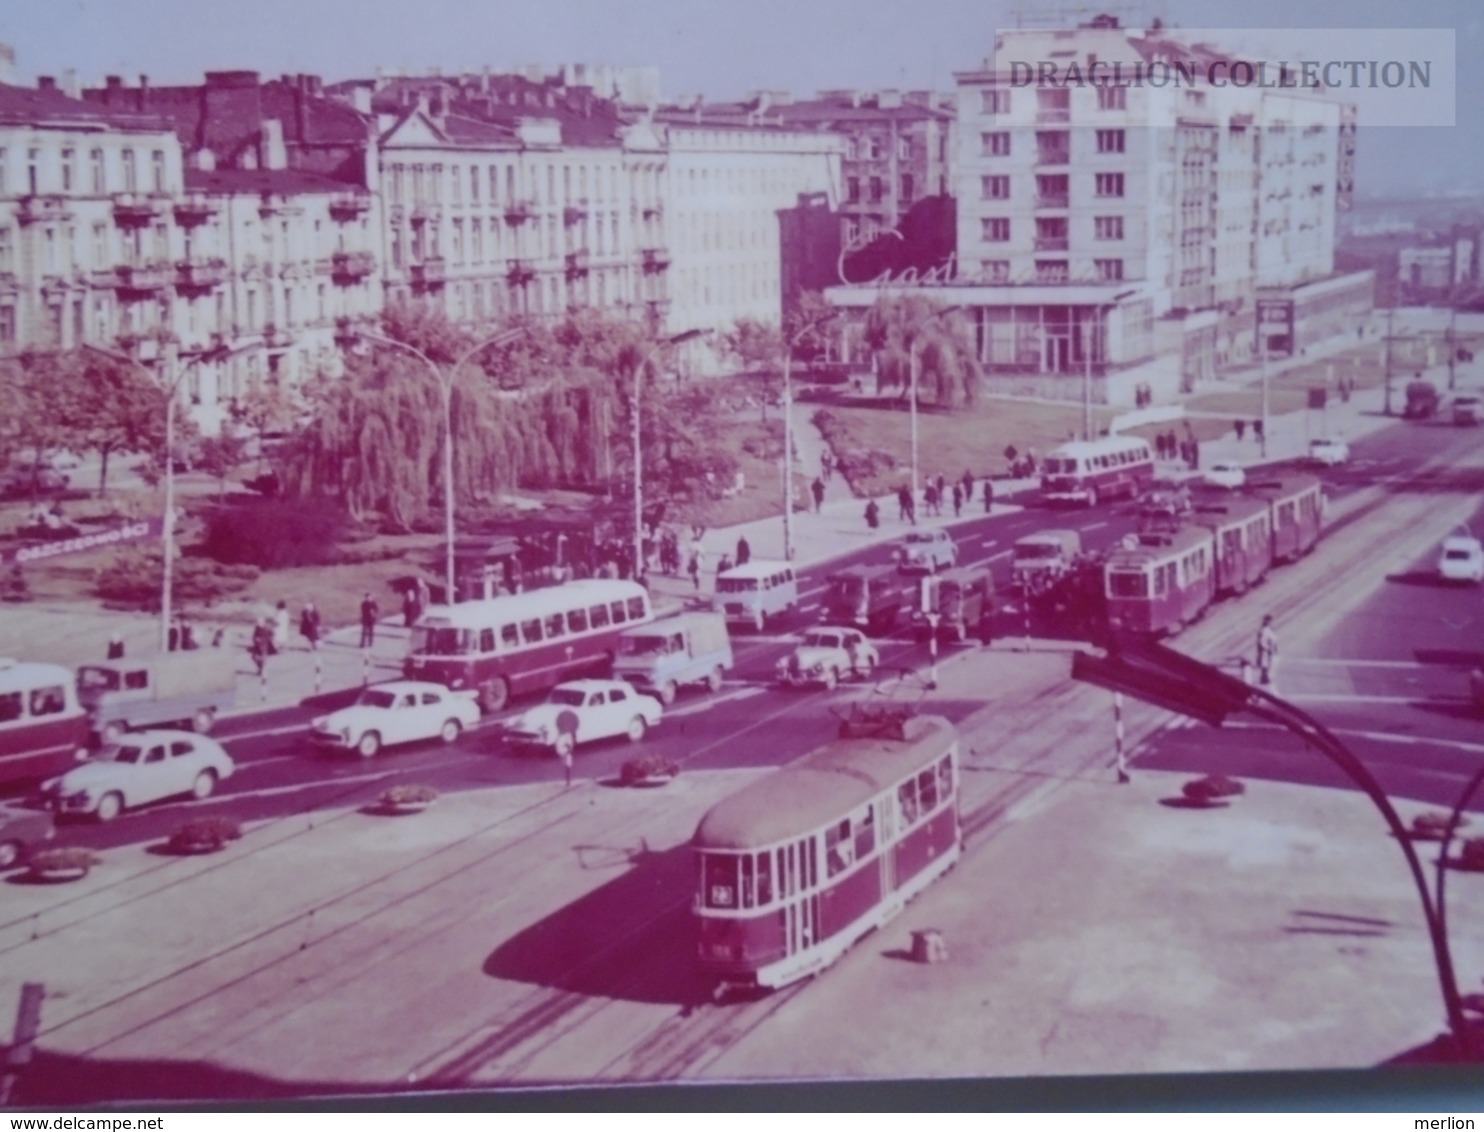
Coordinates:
618 613
719 880
10 707
839 851
865 834
764 878
486 640
599 616
577 620
907 801
556 626
927 790
509 636
746 862
530 631
636 608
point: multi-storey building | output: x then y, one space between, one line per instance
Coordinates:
1102 223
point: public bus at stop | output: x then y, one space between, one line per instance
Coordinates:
1086 471
43 726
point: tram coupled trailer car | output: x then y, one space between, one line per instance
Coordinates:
1161 581
1243 545
800 864
1296 504
1085 471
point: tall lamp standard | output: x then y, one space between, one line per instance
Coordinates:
788 430
445 380
1094 333
673 340
172 390
912 367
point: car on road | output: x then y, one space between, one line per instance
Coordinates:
582 711
1462 559
143 767
399 711
827 655
1328 452
1467 410
1230 476
21 831
926 552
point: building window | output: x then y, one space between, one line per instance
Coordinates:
474 184
907 187
68 157
1112 98
996 144
1053 104
7 324
2 170
1109 270
33 171
457 174
157 170
876 190
321 296
476 241
7 250
131 176
997 270
458 241
876 149
1110 141
904 148
1108 227
100 245
1110 184
1195 98
854 190
996 100
995 187
995 229
1051 271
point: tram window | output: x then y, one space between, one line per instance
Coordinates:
781 871
509 636
1127 583
719 880
10 707
599 615
839 853
927 790
945 777
636 608
486 640
530 631
865 834
764 879
577 620
907 801
619 617
556 625
746 863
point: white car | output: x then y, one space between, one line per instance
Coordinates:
142 767
1462 559
827 655
400 711
1226 475
1328 452
926 551
581 711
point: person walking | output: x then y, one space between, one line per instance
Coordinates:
873 514
188 641
817 488
930 499
988 495
911 509
1267 651
309 623
744 552
958 500
278 639
409 606
942 485
904 503
1241 427
694 567
262 644
116 646
369 612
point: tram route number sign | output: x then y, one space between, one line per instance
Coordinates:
136 531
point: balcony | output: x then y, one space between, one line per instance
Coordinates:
431 272
655 260
1051 243
200 274
349 206
351 267
196 209
517 212
36 209
276 337
1050 156
1054 114
520 272
577 264
422 213
276 204
573 214
653 211
138 209
1053 200
138 278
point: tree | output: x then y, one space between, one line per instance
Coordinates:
220 455
949 369
758 346
266 407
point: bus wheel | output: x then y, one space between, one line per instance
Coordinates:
666 692
713 681
494 695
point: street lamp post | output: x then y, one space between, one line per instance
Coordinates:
445 380
673 340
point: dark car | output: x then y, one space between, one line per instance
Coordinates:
21 831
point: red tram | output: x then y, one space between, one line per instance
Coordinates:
799 865
1171 573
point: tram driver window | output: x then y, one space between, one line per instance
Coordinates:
719 880
839 852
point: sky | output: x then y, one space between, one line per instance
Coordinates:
719 48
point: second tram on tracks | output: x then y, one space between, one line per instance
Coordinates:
800 864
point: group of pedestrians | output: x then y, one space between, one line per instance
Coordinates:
1186 449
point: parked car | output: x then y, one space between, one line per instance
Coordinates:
581 711
1462 559
826 656
399 711
144 767
926 552
1467 410
689 648
1230 476
1328 452
21 831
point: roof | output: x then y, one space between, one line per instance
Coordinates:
40 107
488 109
405 686
533 603
284 181
822 786
19 675
1282 486
1099 446
1232 508
1159 547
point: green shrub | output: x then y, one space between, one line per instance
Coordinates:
205 834
134 578
275 534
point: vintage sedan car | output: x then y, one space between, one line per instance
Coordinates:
926 552
399 711
143 767
1230 476
21 831
1462 559
826 656
1328 452
581 711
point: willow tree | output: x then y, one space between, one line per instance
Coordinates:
948 367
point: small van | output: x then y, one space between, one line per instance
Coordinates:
867 597
750 594
689 648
